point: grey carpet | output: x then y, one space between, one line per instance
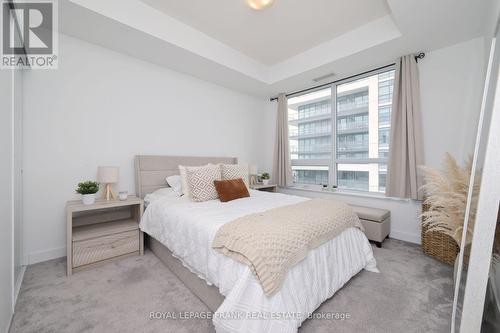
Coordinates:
413 293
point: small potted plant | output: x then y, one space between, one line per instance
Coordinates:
88 190
265 178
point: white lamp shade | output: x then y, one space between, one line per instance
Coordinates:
107 174
252 169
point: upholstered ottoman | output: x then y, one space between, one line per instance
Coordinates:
376 221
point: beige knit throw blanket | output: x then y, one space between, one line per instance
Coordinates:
272 242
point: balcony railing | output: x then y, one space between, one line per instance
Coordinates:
353 184
352 146
356 111
311 114
306 115
341 147
312 149
350 106
352 126
315 132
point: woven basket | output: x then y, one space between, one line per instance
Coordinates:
438 245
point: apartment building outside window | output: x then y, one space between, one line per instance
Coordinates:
352 153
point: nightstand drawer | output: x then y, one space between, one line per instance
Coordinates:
105 247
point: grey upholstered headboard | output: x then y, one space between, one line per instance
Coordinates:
151 171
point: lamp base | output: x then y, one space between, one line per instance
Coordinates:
253 179
108 192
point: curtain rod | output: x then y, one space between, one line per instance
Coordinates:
421 55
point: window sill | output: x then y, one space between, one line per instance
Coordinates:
368 195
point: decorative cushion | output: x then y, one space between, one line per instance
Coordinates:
235 171
371 214
231 189
201 182
175 183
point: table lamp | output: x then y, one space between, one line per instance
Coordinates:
108 175
252 169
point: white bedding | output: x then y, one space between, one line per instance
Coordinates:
188 228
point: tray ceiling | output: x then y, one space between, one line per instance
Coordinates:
287 28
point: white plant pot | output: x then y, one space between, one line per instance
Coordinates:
88 199
265 181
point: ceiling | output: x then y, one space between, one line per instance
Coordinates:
277 33
282 48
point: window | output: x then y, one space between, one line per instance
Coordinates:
353 179
385 91
346 145
384 116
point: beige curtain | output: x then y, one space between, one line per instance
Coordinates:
406 145
282 170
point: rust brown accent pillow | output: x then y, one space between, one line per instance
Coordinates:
231 189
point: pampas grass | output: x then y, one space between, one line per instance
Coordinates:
446 194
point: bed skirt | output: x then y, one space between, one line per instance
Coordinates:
207 294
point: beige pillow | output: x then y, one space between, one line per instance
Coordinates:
235 171
201 182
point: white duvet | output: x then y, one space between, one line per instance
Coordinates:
188 228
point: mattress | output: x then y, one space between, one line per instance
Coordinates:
187 228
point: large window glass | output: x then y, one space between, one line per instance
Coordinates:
310 130
351 154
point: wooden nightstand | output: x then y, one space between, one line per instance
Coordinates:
266 188
104 231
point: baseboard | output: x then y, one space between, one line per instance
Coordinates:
41 256
19 282
405 236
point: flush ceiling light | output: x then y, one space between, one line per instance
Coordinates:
259 4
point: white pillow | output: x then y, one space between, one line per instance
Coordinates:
160 193
175 183
235 171
201 182
184 183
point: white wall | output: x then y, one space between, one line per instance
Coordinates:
102 108
451 83
6 199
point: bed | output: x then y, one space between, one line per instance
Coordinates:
180 233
